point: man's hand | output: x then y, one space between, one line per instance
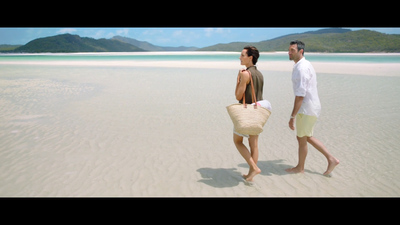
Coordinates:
298 100
291 123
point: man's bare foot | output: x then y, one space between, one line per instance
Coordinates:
294 170
332 163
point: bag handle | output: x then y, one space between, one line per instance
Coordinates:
253 93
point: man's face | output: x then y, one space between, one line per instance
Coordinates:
294 54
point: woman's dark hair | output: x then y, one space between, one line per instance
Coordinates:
252 51
300 45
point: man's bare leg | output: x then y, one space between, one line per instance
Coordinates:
254 170
332 161
303 150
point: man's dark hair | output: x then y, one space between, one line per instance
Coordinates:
300 45
252 51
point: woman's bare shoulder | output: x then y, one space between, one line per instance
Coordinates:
244 75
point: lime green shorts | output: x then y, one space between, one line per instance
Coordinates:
305 125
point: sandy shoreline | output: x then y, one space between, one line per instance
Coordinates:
161 129
375 69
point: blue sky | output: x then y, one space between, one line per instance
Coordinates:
198 37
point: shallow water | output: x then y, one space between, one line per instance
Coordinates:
195 56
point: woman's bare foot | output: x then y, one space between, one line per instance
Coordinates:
252 173
332 163
295 170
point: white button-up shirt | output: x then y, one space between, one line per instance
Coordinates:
304 81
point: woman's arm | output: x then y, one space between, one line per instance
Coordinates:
242 80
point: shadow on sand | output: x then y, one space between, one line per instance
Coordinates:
230 177
270 167
220 177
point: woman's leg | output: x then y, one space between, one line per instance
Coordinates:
254 170
253 142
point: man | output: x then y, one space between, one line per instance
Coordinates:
306 108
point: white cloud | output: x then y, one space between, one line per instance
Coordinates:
66 30
152 32
177 33
208 32
123 32
186 36
99 34
154 36
102 33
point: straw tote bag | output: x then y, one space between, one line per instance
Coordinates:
248 120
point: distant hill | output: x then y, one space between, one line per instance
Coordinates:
150 47
75 43
324 40
8 48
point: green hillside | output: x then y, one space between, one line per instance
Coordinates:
150 47
75 43
8 48
325 40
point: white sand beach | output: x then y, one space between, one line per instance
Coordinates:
375 69
161 129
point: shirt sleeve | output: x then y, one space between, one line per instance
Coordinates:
301 82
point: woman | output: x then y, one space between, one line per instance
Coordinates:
249 58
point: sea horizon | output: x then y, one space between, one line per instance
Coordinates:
199 55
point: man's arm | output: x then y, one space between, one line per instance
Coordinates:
297 104
242 81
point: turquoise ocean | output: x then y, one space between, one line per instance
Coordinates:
199 56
